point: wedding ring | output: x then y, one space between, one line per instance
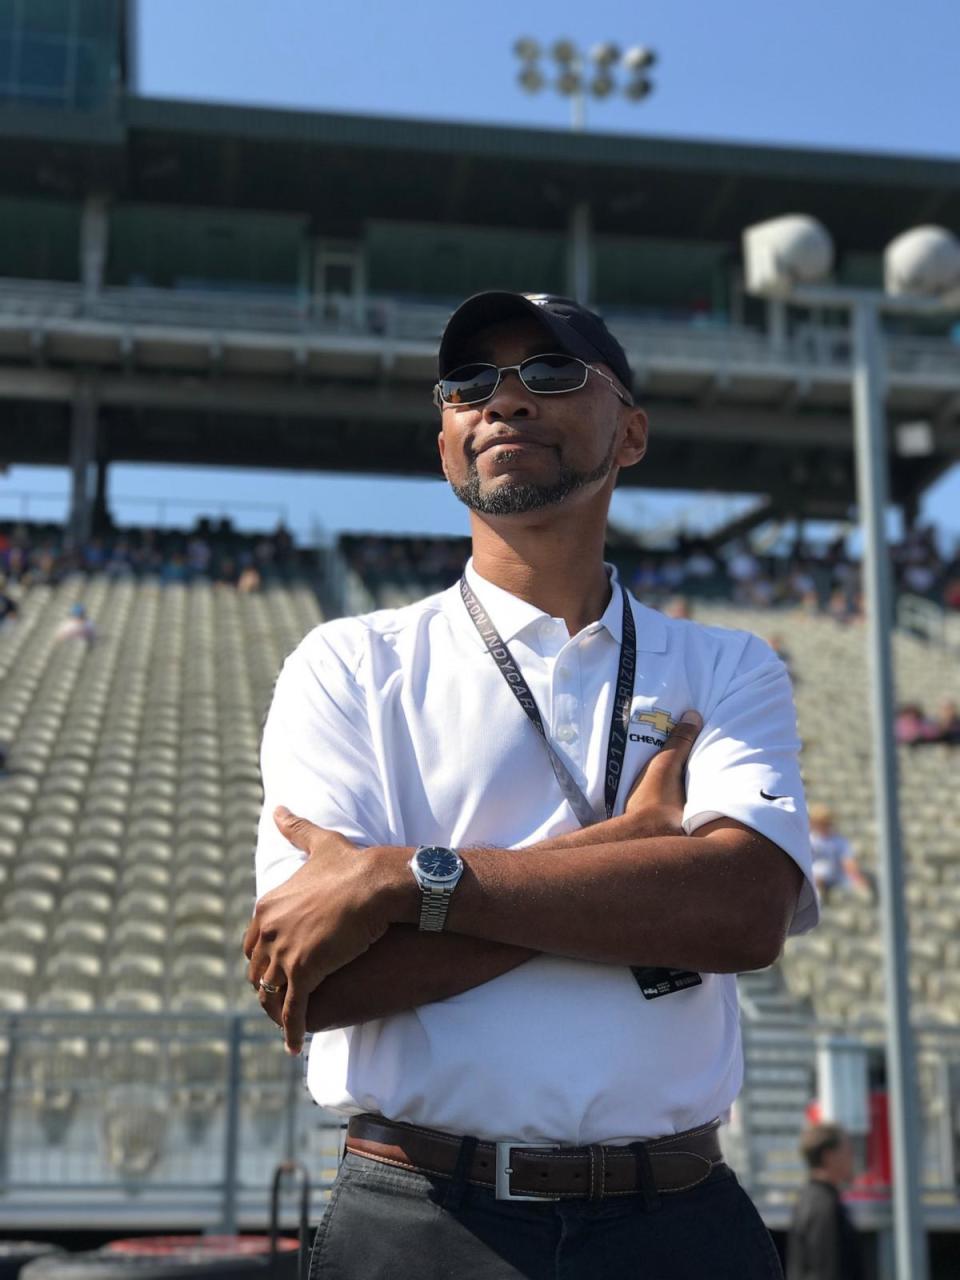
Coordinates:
269 988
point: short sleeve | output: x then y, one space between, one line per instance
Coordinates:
316 758
745 765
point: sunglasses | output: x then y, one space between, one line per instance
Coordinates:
547 375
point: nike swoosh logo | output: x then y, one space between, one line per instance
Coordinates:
766 795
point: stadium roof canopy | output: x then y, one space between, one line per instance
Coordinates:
346 169
312 398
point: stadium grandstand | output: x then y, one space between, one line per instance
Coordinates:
202 284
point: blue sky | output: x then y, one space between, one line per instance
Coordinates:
866 74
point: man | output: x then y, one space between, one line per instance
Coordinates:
835 866
530 965
823 1242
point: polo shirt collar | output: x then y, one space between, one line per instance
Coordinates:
511 615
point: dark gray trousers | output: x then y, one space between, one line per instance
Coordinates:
385 1222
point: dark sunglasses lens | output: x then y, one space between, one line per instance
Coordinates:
550 374
469 384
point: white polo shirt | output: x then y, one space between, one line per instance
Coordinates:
398 728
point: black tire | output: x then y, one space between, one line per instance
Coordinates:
107 1266
15 1254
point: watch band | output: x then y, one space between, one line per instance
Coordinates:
434 905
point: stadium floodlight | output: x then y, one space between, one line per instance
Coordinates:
564 51
569 83
527 49
638 89
639 58
531 78
787 260
580 73
606 54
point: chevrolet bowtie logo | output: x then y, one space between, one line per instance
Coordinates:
660 720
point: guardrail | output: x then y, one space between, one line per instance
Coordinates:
149 1119
137 1119
793 1044
810 346
927 620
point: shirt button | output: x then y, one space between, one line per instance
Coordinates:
563 673
566 733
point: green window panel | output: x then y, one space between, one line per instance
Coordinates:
59 53
667 275
864 270
175 248
433 261
39 240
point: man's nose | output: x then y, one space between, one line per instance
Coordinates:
510 400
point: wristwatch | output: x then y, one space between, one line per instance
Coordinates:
437 871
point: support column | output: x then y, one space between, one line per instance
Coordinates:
580 253
777 323
94 241
102 523
83 461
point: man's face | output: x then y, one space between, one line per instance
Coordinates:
520 452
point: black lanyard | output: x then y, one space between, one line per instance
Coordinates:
619 717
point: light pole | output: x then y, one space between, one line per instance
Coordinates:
786 260
581 74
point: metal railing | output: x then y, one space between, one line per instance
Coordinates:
147 1119
765 1135
180 1119
810 346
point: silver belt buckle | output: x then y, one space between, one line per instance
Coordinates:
503 1191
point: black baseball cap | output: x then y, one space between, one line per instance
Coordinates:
577 330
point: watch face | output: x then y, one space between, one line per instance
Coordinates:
438 864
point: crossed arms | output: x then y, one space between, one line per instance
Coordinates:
339 938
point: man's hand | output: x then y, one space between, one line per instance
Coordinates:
656 800
329 912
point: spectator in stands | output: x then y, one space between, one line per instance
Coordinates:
744 570
199 553
249 580
946 725
8 607
779 647
77 627
835 868
823 1243
911 726
678 607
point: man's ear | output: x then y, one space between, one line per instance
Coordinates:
633 445
442 446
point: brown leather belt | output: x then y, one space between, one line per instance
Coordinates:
522 1171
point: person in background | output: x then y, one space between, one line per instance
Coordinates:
8 607
834 864
779 647
77 627
947 723
911 726
823 1243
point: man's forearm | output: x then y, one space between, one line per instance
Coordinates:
407 968
720 903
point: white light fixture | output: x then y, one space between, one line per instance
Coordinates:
781 253
924 261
